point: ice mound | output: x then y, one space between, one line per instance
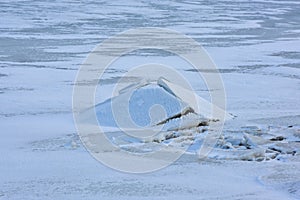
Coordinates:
183 125
177 112
140 103
154 104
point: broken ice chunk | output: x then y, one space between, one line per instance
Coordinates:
153 105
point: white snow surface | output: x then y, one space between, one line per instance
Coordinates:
256 46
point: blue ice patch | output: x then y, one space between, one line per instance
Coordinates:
140 102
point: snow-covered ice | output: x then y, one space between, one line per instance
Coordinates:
256 46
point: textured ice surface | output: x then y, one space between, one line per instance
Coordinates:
255 43
139 103
258 144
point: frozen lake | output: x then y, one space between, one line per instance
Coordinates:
255 44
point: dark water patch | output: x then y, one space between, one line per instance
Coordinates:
292 65
222 71
247 68
34 113
31 65
3 75
5 89
287 54
35 50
